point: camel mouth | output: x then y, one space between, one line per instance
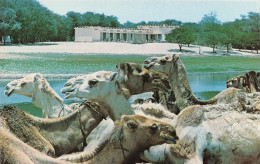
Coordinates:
68 93
169 138
148 66
8 94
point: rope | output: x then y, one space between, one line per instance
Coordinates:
121 145
82 129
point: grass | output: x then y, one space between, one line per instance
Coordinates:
78 63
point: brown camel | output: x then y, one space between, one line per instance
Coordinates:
131 135
248 82
54 136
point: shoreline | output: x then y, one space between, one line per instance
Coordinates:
115 48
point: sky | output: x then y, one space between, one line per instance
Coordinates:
157 10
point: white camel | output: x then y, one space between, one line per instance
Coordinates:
43 96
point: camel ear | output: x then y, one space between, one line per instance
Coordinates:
175 57
37 77
129 68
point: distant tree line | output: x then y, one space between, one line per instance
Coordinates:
241 33
26 21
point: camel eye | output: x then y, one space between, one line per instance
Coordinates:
23 84
154 127
163 61
146 62
67 84
92 82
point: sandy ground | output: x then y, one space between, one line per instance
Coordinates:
113 48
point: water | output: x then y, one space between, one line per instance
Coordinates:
207 75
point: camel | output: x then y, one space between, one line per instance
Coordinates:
134 79
130 136
221 133
43 96
116 148
248 82
202 120
175 69
54 136
104 88
15 151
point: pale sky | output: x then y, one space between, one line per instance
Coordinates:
157 10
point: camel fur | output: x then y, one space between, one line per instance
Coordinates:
130 136
248 82
221 133
104 88
43 96
55 136
175 69
14 151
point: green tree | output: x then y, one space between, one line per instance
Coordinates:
129 24
180 36
8 23
211 30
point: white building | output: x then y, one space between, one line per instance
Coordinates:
146 33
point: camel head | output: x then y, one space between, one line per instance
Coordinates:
161 64
92 86
135 79
71 86
143 132
23 86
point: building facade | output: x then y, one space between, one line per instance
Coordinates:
142 34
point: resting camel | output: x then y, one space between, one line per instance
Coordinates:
175 69
196 125
43 96
104 88
248 82
54 136
130 135
14 151
221 133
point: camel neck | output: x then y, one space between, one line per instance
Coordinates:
117 153
51 104
69 135
118 106
180 84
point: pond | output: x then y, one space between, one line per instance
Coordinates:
207 74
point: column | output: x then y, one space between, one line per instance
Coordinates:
108 36
121 37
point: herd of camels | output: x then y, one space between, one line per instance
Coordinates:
172 127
